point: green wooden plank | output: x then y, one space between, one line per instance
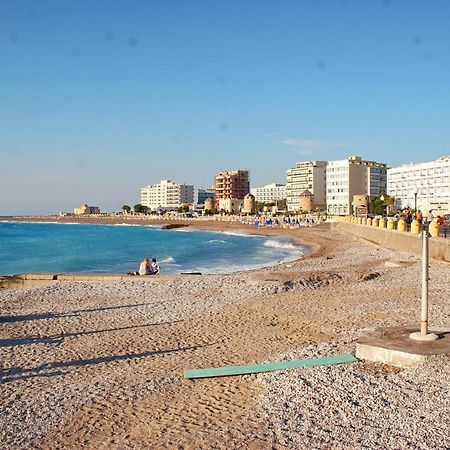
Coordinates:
269 367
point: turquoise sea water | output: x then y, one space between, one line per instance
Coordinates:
48 247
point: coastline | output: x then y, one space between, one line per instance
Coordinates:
99 364
298 235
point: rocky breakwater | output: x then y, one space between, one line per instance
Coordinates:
171 226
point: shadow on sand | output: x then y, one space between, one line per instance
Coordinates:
58 338
19 373
43 316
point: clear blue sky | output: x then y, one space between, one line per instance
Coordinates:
99 98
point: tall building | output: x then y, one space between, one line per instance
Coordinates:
166 195
307 175
231 184
270 193
203 194
423 185
353 176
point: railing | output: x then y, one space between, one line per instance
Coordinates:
414 227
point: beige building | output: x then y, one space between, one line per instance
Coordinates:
86 209
231 205
307 201
231 185
249 204
353 176
166 195
307 175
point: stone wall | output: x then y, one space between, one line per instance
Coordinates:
397 240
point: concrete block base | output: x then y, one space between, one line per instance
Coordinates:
418 336
395 347
38 276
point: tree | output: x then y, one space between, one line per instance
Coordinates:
210 212
126 209
378 205
138 208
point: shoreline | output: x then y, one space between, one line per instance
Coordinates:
298 236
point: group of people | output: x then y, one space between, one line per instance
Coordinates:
410 216
147 268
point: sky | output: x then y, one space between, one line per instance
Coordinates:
100 98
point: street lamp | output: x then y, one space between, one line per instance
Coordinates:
415 199
382 203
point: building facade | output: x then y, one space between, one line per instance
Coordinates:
203 194
353 176
166 195
307 175
270 193
423 186
231 205
86 209
231 184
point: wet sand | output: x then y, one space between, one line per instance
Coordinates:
100 364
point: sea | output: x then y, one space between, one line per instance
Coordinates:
60 247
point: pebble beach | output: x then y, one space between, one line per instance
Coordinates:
99 365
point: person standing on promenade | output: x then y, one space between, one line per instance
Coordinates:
408 217
419 217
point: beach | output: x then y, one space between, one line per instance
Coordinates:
99 365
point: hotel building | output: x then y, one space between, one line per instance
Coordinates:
423 185
231 184
353 176
203 194
270 193
166 195
307 175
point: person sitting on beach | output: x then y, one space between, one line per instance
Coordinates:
144 268
154 267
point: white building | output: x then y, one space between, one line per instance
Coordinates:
306 176
270 193
423 185
166 195
353 176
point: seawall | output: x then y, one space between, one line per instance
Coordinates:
439 248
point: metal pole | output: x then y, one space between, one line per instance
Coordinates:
424 312
423 334
415 203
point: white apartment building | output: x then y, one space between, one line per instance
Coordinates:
166 195
423 185
353 176
307 175
270 193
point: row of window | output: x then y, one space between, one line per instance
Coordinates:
421 172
